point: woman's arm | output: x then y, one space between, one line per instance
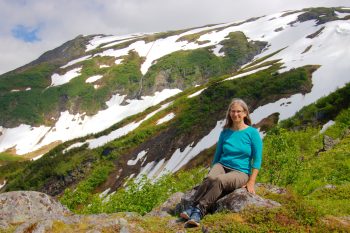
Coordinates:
251 182
218 150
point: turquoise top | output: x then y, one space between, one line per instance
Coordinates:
239 149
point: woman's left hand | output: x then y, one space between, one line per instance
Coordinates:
250 187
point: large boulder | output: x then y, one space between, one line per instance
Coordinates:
24 206
240 199
235 201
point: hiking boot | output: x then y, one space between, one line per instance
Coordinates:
196 217
186 213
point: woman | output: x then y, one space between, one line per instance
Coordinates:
236 162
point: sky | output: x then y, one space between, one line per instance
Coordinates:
28 28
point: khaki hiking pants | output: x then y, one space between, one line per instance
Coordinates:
219 180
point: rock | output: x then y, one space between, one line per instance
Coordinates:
261 187
235 201
240 199
20 206
329 143
186 201
168 207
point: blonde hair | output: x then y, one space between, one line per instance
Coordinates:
229 121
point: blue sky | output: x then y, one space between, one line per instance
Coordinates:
26 34
29 28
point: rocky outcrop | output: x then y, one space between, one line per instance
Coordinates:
29 211
23 206
235 201
239 199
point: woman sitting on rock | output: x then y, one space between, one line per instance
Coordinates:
236 162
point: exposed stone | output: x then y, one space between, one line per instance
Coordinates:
240 199
329 143
235 201
167 208
262 187
20 206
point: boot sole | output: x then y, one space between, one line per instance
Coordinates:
193 222
184 216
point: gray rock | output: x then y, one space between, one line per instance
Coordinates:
167 208
329 143
270 188
240 199
235 201
26 206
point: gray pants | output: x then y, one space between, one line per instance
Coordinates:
218 181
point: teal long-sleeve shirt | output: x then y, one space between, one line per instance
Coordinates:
240 150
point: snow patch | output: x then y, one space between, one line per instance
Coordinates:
104 66
75 145
118 61
326 126
98 40
138 157
26 139
94 143
57 79
216 50
247 73
166 118
76 61
180 158
37 157
93 78
341 15
3 184
196 93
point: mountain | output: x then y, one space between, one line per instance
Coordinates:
100 110
119 123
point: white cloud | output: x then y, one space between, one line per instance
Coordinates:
62 20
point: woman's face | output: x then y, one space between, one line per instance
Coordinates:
237 113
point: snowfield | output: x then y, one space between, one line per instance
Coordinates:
330 50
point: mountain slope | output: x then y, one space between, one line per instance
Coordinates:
286 76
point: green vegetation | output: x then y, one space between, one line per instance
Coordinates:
190 116
6 157
321 14
143 195
325 109
34 106
186 68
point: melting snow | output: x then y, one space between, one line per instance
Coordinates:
196 93
166 118
3 184
37 157
341 15
247 73
139 156
326 126
180 158
76 61
98 40
216 50
26 138
118 61
93 78
57 79
104 66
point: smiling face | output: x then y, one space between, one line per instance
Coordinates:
237 113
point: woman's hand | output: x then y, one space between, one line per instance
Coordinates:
250 186
251 182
